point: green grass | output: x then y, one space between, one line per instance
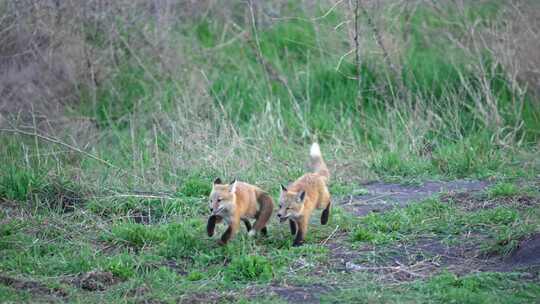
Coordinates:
504 227
503 190
446 288
169 113
249 268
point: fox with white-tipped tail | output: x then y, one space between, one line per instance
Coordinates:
309 192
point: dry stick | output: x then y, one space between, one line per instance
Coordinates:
137 196
358 63
328 12
403 268
330 236
357 49
342 58
256 35
374 198
386 56
61 143
271 72
378 39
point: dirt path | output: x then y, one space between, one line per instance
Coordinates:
427 256
383 196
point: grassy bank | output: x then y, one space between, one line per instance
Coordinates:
103 193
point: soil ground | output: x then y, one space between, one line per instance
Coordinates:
425 257
396 262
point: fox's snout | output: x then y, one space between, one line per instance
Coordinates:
281 217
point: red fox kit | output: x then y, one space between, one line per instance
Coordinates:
237 202
297 202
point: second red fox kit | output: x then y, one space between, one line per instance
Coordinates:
297 202
237 202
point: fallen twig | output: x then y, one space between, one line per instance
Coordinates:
330 236
372 199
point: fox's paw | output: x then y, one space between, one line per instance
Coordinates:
222 243
252 232
297 244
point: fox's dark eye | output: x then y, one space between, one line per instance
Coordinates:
219 199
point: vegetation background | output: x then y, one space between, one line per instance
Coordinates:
115 116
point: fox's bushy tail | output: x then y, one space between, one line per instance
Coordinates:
266 205
317 162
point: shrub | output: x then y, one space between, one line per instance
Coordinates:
502 190
183 240
136 235
122 266
361 234
249 268
196 187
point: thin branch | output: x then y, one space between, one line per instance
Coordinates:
328 12
330 236
357 48
342 58
63 144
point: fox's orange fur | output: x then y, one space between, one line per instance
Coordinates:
237 202
307 193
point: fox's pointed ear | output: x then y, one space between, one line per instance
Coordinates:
301 196
283 188
233 181
233 186
217 181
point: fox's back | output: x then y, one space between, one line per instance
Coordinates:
313 183
246 199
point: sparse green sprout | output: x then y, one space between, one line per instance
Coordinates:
249 268
184 239
17 183
502 190
136 235
195 276
122 266
361 234
196 187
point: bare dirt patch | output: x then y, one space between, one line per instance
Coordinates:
429 256
207 298
425 257
473 201
384 196
33 287
527 252
175 266
141 217
95 280
291 293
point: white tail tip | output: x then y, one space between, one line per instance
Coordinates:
315 150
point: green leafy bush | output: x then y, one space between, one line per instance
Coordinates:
249 268
136 235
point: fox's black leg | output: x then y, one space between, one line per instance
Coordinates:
210 227
292 225
264 231
248 224
226 236
326 214
299 239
